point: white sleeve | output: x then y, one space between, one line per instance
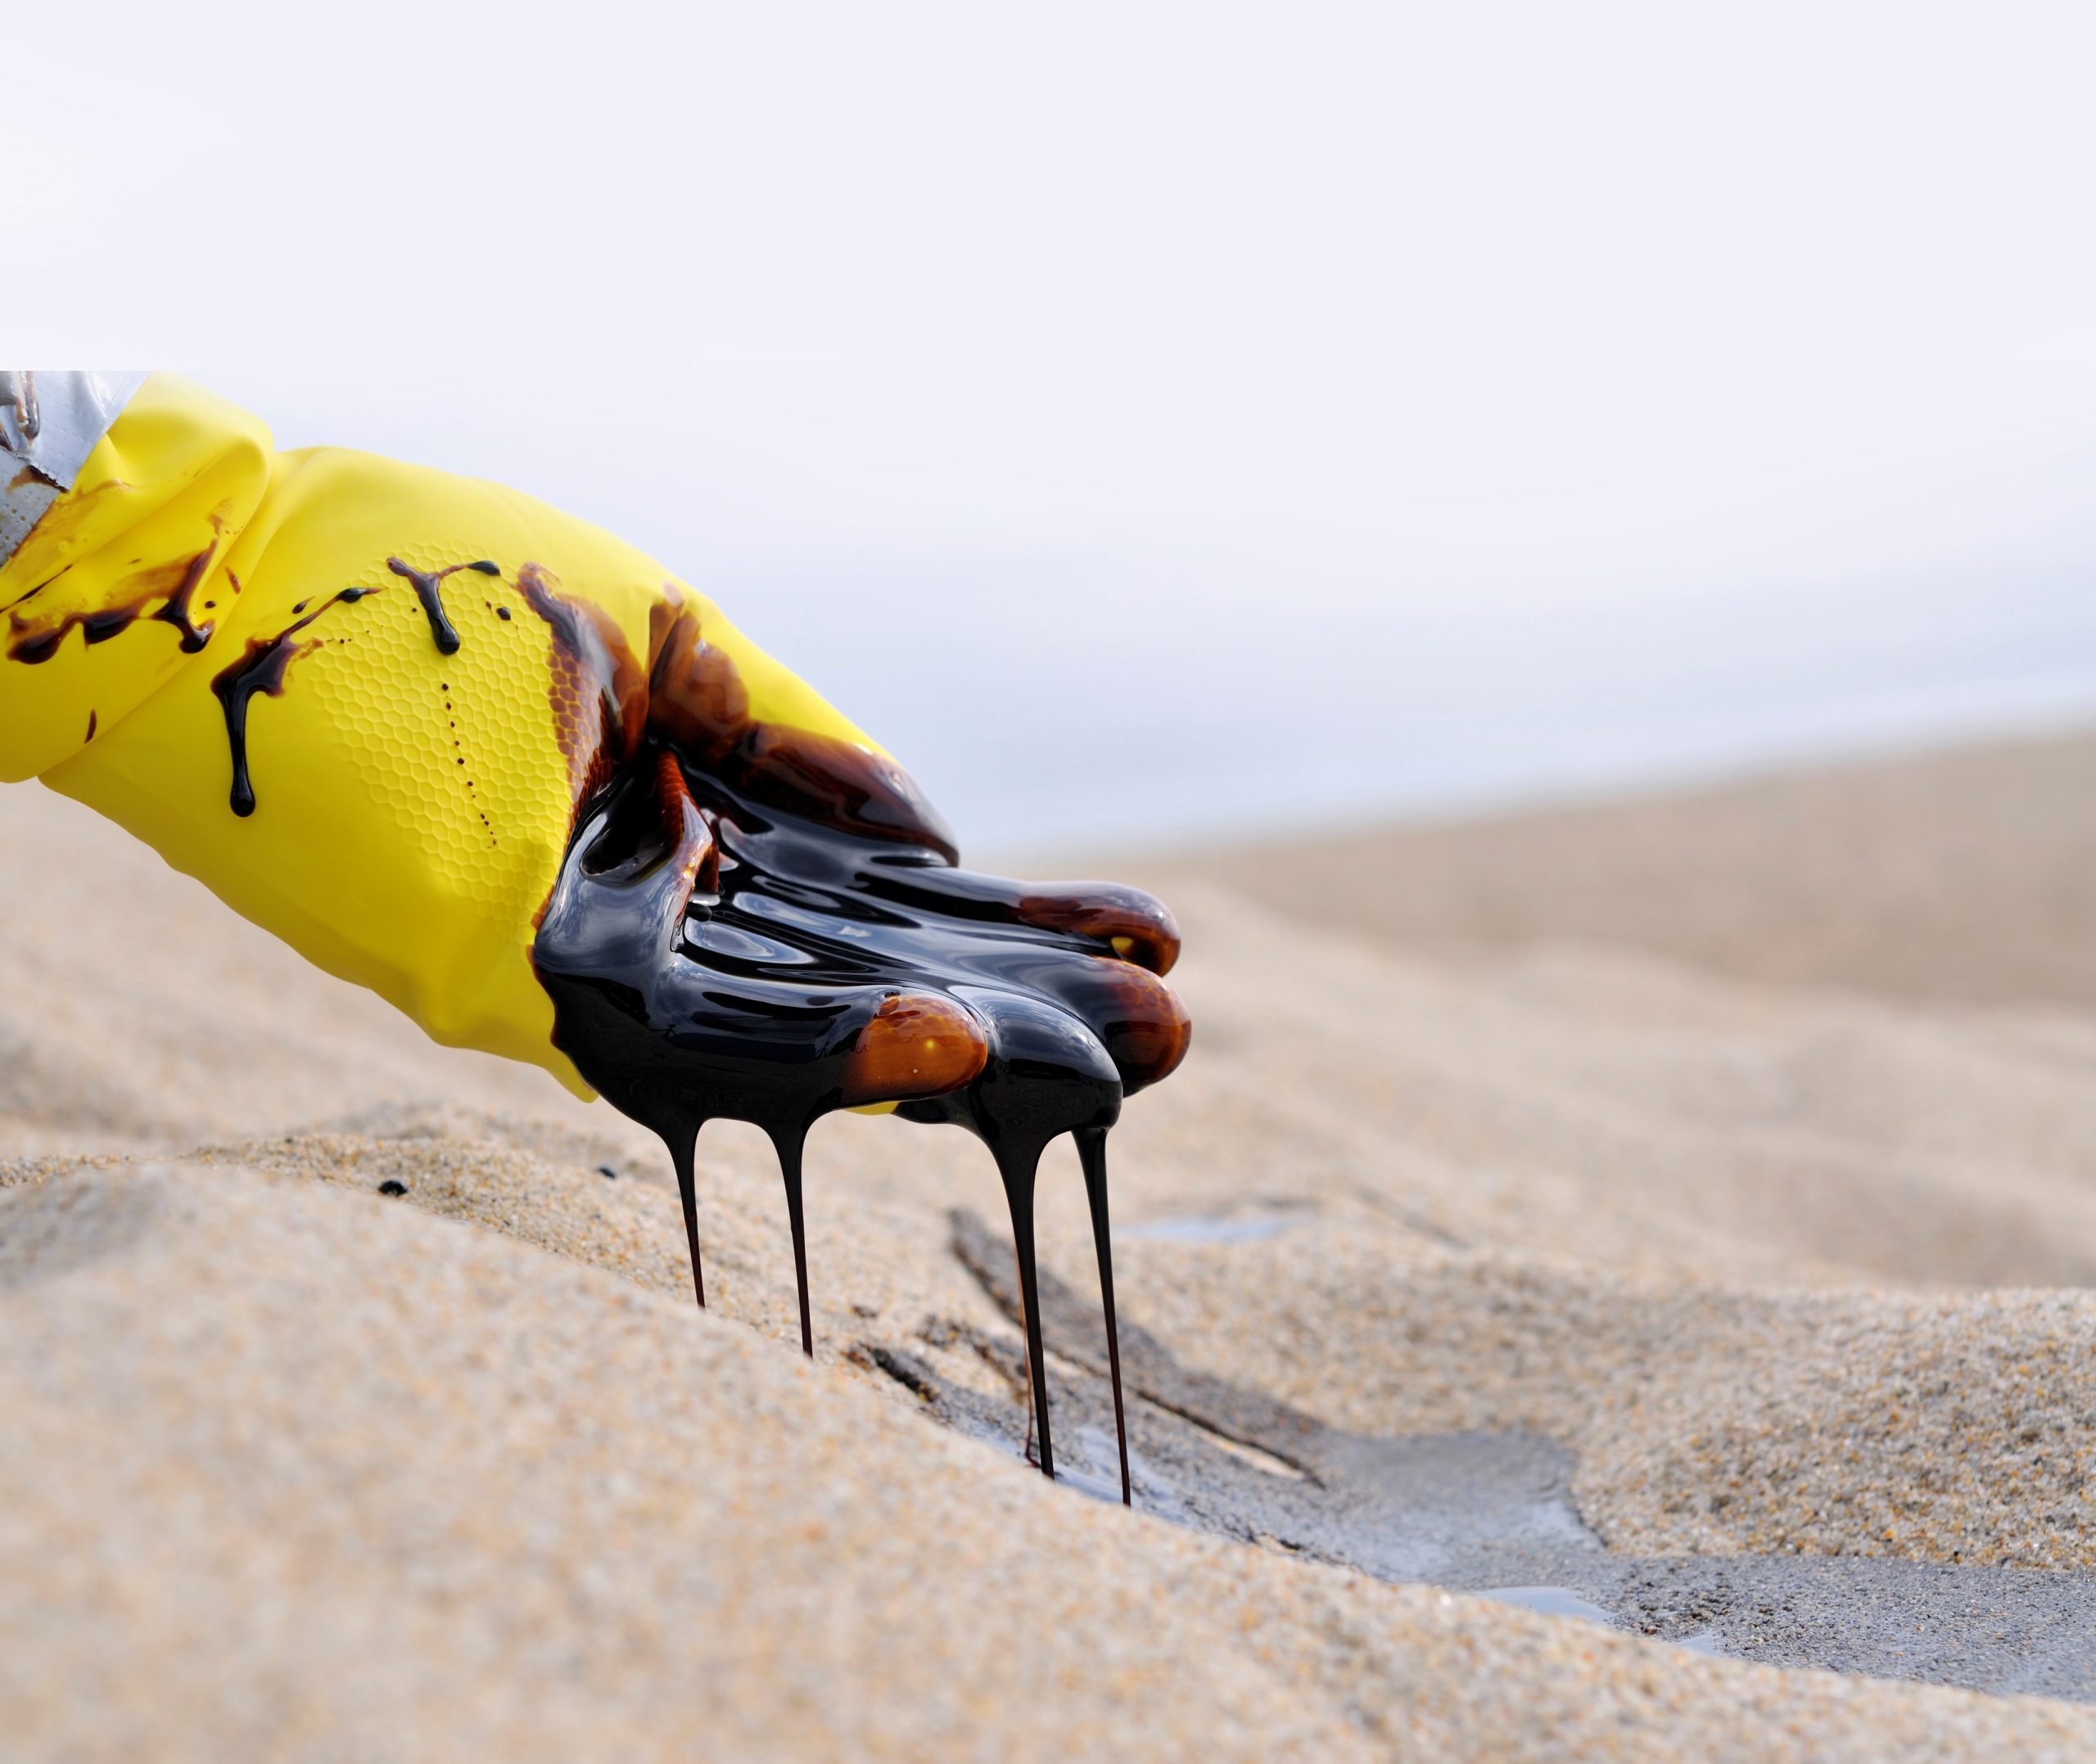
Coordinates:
49 423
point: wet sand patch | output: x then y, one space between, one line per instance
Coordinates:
1487 1512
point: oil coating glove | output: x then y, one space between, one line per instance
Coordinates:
364 701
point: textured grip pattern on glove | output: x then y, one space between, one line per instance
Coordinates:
452 748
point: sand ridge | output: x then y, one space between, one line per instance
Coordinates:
1966 874
482 1500
1789 1269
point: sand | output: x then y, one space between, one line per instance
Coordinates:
1781 1256
1964 875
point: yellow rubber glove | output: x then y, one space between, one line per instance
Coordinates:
431 672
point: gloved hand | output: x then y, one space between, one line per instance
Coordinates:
364 701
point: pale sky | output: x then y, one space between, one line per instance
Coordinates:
1147 417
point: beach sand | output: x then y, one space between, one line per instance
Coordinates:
1733 1153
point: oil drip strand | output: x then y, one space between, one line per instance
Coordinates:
262 668
732 938
263 665
428 587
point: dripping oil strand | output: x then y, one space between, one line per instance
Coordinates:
262 669
1026 1450
428 587
790 1142
1091 1155
1018 1166
683 1151
173 585
176 610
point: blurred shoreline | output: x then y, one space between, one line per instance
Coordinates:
1073 703
1961 871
